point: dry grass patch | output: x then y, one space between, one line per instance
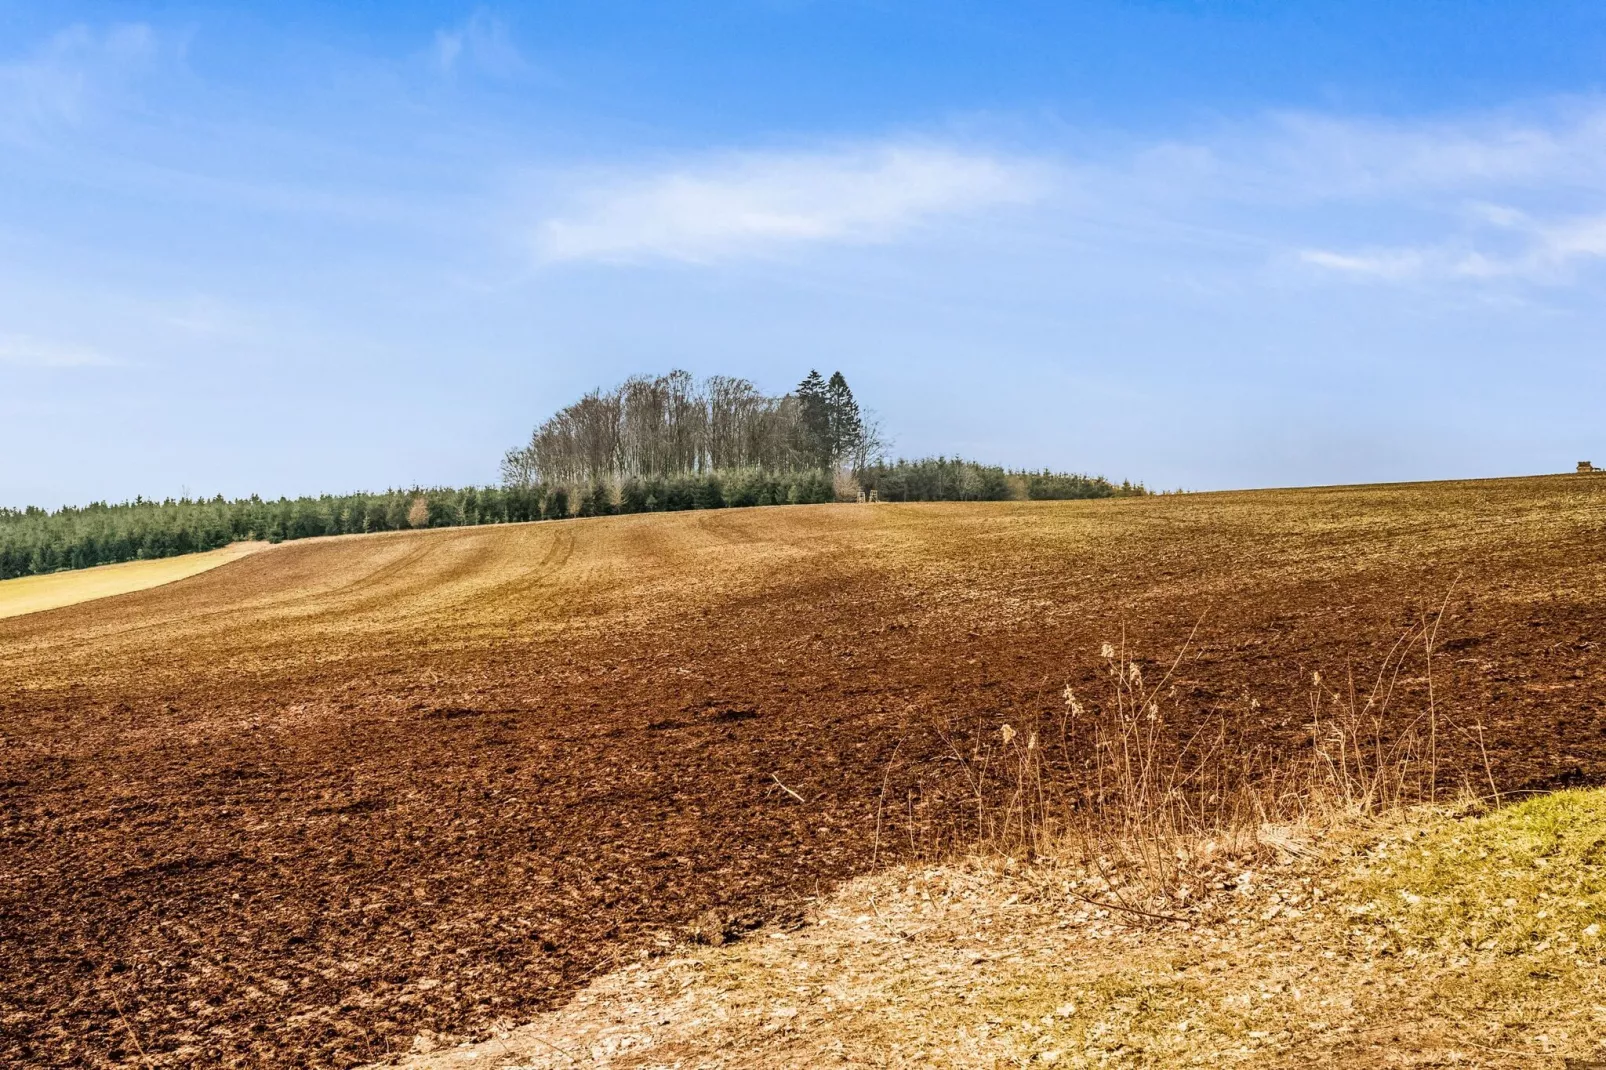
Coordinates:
1430 939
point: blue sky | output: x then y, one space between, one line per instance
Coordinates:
295 248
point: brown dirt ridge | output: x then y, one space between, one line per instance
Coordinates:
298 809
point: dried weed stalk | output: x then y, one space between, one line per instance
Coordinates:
1116 783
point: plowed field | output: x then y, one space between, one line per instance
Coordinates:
293 810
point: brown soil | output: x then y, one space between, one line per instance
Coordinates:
296 810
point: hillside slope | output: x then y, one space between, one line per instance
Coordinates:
53 590
297 810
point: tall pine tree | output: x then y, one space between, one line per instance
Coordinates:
846 425
814 420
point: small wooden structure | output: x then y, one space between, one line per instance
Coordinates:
1585 466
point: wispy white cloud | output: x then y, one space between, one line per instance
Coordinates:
1301 156
62 80
1515 197
1331 156
27 352
1512 246
484 42
1495 198
745 204
1386 264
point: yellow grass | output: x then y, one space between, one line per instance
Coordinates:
1429 938
31 594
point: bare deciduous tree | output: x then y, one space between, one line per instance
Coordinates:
673 425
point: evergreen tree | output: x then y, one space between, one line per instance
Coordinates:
814 421
845 423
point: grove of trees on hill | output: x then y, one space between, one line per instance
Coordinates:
673 425
651 444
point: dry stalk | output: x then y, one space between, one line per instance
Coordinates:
118 1004
788 790
881 802
1118 784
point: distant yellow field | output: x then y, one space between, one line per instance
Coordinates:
30 594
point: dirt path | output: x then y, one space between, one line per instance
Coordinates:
296 811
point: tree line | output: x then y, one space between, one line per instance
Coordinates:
35 540
952 479
648 445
